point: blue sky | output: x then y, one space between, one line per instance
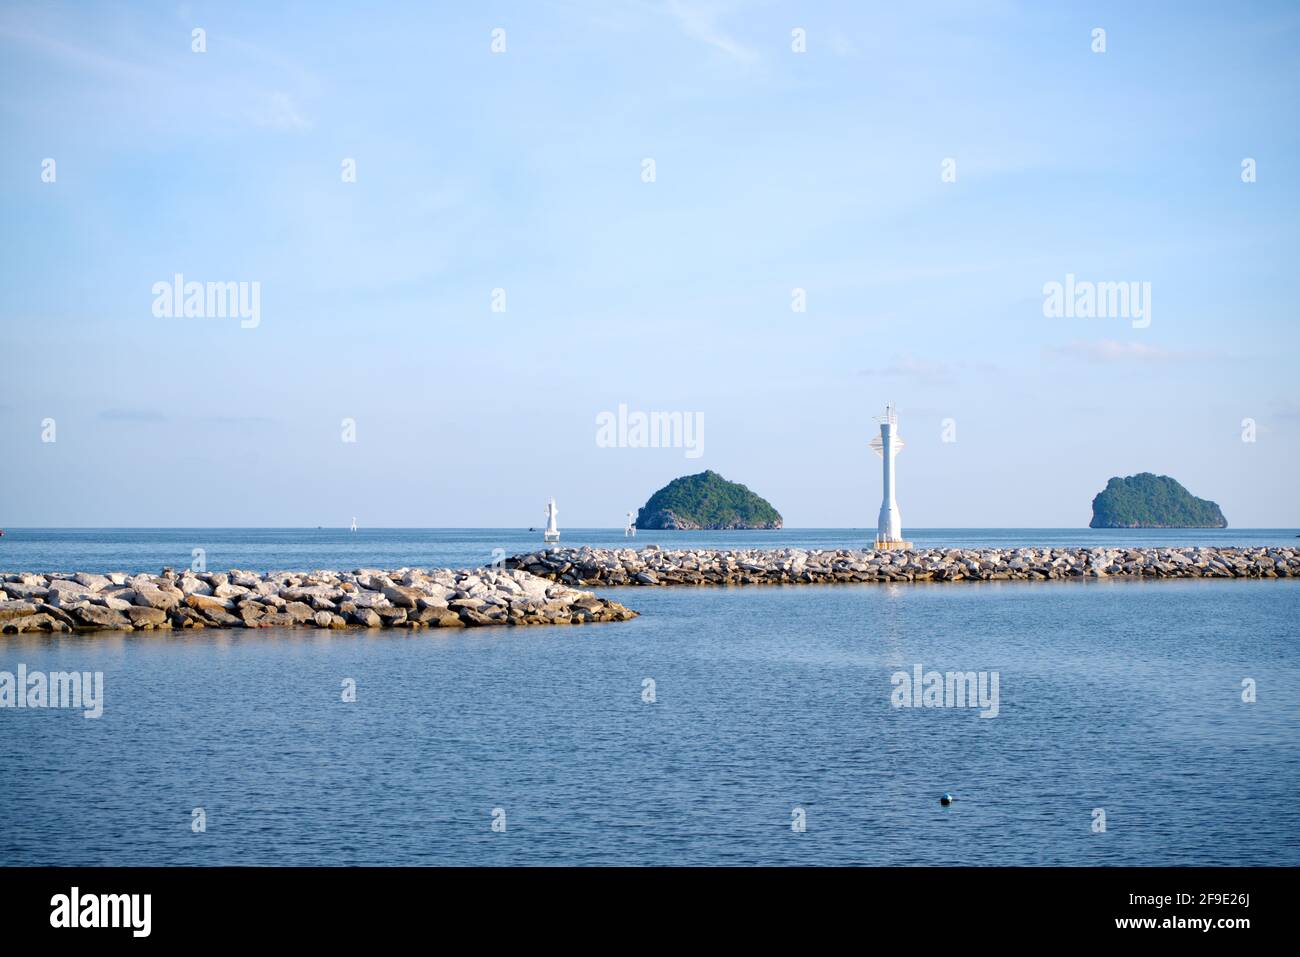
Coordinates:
522 171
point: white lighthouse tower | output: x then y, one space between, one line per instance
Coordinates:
889 531
552 533
629 530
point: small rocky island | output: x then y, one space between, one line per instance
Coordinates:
1152 501
706 501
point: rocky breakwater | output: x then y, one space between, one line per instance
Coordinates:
365 598
655 566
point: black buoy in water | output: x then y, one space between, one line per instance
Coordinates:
946 799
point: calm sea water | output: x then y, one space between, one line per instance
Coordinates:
1118 695
266 549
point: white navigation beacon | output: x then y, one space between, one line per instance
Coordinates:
552 533
630 528
889 530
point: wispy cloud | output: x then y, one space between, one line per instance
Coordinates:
131 415
278 111
1288 409
840 44
148 416
74 56
699 21
1106 351
927 370
253 87
242 420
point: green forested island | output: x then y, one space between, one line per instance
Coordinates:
1152 501
706 501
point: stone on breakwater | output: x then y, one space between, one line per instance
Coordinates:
9 610
142 617
655 566
155 596
366 598
36 622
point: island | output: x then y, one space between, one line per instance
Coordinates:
706 501
1152 501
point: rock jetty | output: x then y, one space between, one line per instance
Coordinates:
365 598
655 566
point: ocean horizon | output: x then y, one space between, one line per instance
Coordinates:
103 550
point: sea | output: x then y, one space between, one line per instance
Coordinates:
1118 722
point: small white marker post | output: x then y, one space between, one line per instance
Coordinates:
552 533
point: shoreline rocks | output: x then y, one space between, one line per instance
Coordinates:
655 566
364 598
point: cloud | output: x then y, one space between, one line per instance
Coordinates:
927 370
278 111
909 367
153 416
1288 409
243 420
1109 351
131 415
252 86
699 23
840 45
76 57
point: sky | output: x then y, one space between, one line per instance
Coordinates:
651 190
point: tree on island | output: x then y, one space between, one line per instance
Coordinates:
706 501
1152 501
